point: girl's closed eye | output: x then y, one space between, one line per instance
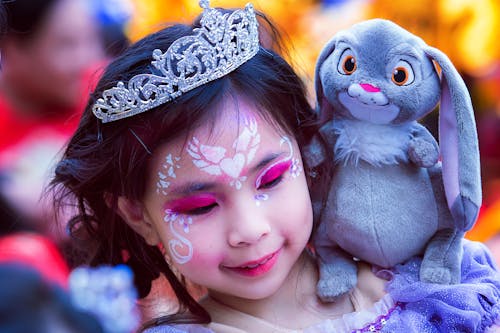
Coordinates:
195 205
273 175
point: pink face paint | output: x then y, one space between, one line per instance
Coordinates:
215 160
272 174
192 205
180 248
179 214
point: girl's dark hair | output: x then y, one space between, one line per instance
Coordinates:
105 161
24 17
28 303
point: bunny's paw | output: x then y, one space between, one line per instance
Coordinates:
423 153
440 275
328 290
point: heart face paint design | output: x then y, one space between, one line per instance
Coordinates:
180 248
213 159
233 166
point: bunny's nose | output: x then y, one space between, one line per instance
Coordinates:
369 88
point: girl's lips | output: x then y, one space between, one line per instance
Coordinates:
256 267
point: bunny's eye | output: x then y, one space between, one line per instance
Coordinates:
347 64
402 74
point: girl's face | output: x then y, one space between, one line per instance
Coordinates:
230 204
66 44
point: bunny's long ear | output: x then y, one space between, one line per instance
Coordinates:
320 98
459 145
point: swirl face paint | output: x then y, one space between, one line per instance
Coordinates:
180 248
274 173
207 217
179 216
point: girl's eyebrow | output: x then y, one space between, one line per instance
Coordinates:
191 187
265 161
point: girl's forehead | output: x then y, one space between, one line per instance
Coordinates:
236 117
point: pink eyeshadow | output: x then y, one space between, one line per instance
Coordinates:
273 172
188 203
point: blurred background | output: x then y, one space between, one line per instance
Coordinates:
466 30
53 50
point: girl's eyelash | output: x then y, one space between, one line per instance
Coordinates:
273 175
198 205
200 210
271 183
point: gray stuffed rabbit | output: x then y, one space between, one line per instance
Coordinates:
395 193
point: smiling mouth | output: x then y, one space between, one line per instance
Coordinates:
256 267
258 262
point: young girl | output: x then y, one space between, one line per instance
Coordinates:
187 162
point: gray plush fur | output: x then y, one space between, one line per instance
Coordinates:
395 193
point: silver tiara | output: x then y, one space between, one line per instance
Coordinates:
222 43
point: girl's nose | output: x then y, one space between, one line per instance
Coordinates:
248 225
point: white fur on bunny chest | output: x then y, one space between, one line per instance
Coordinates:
365 181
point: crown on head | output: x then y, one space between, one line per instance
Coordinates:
222 43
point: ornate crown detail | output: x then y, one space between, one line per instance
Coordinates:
223 43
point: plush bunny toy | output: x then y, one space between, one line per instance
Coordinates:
395 193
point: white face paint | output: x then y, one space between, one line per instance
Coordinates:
296 167
167 173
216 249
260 197
180 248
214 160
295 170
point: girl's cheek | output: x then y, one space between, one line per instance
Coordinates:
178 242
187 243
205 258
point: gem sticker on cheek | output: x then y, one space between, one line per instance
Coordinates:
180 247
296 168
213 159
171 163
260 197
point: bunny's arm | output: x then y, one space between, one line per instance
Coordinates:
423 150
337 270
315 152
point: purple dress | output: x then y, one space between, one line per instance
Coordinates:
473 306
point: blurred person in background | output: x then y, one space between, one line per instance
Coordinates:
51 53
29 303
38 292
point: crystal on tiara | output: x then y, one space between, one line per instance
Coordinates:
222 43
